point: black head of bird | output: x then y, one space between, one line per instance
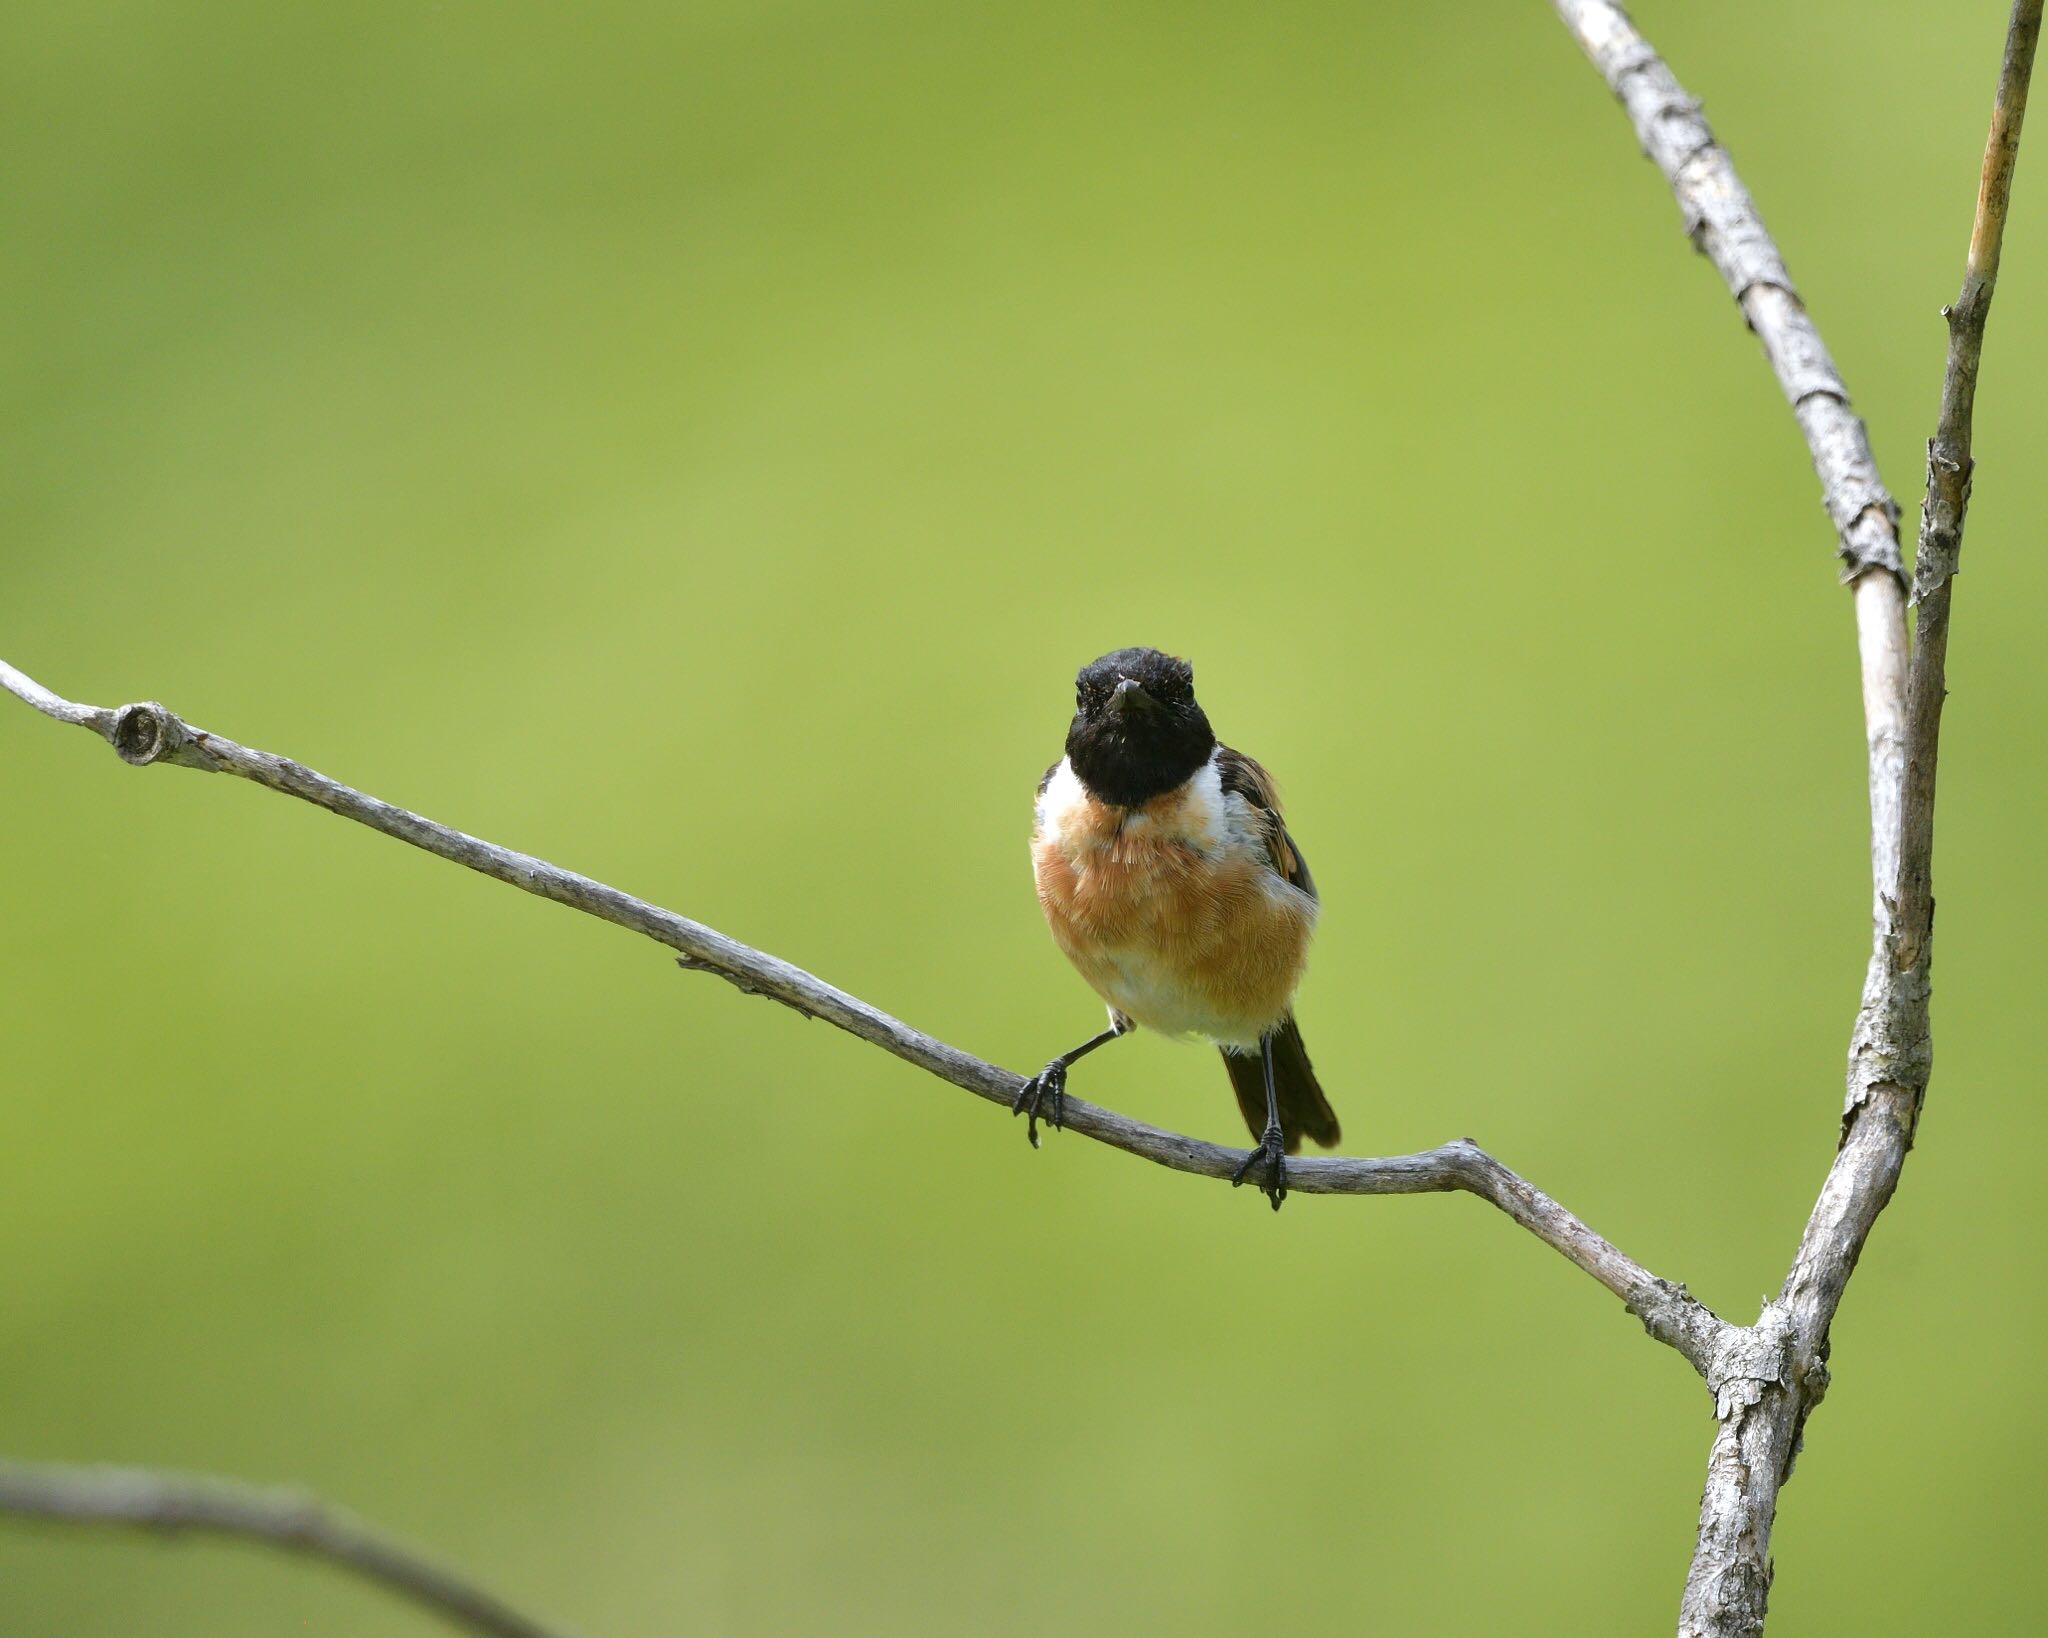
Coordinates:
1137 728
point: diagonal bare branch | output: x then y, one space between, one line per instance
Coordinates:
1722 221
179 1503
147 733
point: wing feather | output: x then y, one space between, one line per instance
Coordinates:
1244 777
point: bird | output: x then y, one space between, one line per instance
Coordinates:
1169 879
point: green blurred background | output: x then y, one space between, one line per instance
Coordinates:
697 445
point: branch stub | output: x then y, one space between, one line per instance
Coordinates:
144 732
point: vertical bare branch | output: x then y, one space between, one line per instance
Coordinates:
1891 1051
1763 1400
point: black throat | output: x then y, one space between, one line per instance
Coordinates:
1128 762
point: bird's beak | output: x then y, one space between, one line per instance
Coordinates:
1130 698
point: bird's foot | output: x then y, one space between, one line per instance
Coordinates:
1045 1094
1272 1150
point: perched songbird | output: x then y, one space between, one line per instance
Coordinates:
1170 882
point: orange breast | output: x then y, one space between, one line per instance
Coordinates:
1174 919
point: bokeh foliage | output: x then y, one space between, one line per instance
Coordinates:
697 444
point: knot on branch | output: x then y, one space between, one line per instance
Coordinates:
145 732
1870 540
1966 314
1941 519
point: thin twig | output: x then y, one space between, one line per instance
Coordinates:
147 733
150 1499
1763 1405
1949 466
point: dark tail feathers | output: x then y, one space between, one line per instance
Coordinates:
1304 1111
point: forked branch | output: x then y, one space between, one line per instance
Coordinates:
1762 1418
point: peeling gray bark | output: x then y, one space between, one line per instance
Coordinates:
1770 1376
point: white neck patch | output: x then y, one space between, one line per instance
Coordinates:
1204 818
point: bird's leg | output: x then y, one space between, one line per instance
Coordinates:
1272 1142
1050 1084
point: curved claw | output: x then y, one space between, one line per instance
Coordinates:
1049 1085
1272 1149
